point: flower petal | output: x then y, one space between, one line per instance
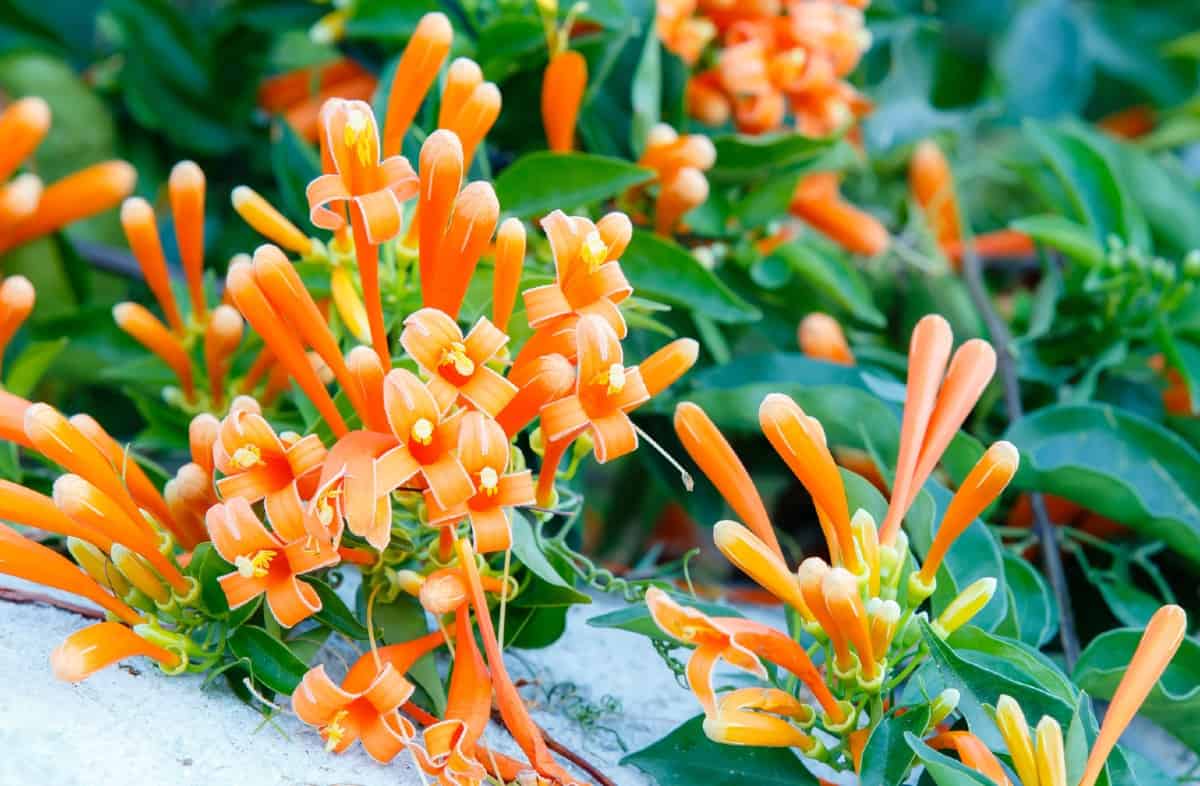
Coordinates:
317 699
236 531
292 601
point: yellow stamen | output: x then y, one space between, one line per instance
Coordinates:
457 356
257 566
356 135
334 732
594 251
247 456
422 432
325 506
489 481
613 379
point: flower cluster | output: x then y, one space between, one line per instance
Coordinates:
402 456
863 608
29 208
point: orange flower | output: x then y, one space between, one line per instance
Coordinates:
367 378
34 562
509 261
189 495
680 32
1131 123
259 465
668 153
428 437
86 651
588 278
758 561
456 365
472 222
563 85
186 187
751 716
18 200
267 563
77 196
932 185
1000 244
849 614
141 230
687 189
817 201
441 173
356 478
203 433
144 327
550 377
23 126
30 509
470 106
415 73
222 336
12 419
366 707
483 449
821 337
973 754
706 100
264 219
16 303
370 188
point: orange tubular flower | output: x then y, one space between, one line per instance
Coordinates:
483 449
811 576
740 643
267 563
509 261
605 392
18 200
203 433
1158 645
222 336
16 303
754 558
366 707
708 447
12 419
144 327
462 77
257 310
563 85
189 495
31 509
973 754
456 365
551 377
259 465
23 126
367 376
87 651
429 438
846 606
800 442
186 187
141 230
588 277
264 219
932 185
686 190
821 337
472 222
34 562
415 74
818 202
750 716
441 173
372 189
474 117
1000 244
77 196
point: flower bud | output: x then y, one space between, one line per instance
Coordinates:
943 704
964 607
1015 731
97 565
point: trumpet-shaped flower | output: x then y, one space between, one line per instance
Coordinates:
365 707
429 439
456 364
87 651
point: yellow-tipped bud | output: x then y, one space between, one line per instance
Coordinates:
349 304
1051 758
262 216
138 572
866 540
1015 731
846 606
964 608
943 704
97 565
754 558
884 617
410 581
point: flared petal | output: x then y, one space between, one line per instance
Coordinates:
237 532
318 698
448 481
407 401
292 601
615 436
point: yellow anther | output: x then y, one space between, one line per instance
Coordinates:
422 432
615 378
257 566
356 135
489 481
457 356
334 732
594 250
247 456
325 506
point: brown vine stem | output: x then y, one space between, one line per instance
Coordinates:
1051 557
568 754
10 595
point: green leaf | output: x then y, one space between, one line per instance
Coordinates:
647 91
404 620
1117 464
888 757
335 613
1032 616
1174 703
1062 81
686 757
944 770
1014 659
635 618
744 158
295 164
28 368
527 548
1065 235
269 660
540 182
387 20
834 278
663 270
206 567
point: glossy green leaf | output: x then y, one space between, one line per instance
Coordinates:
888 757
743 158
686 757
1120 465
1174 703
527 549
540 182
27 369
834 278
389 21
1032 616
646 92
1014 659
944 770
1061 233
1062 81
269 660
335 613
664 271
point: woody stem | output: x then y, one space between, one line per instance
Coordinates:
568 754
1051 557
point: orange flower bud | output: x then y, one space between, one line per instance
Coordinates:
510 259
443 591
367 376
754 558
476 117
18 200
141 230
476 211
75 197
258 369
87 651
16 302
883 617
262 216
932 185
203 432
821 337
415 73
186 186
688 189
1001 244
817 201
811 576
221 339
664 366
563 84
850 615
706 101
145 328
441 166
23 125
462 77
552 377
